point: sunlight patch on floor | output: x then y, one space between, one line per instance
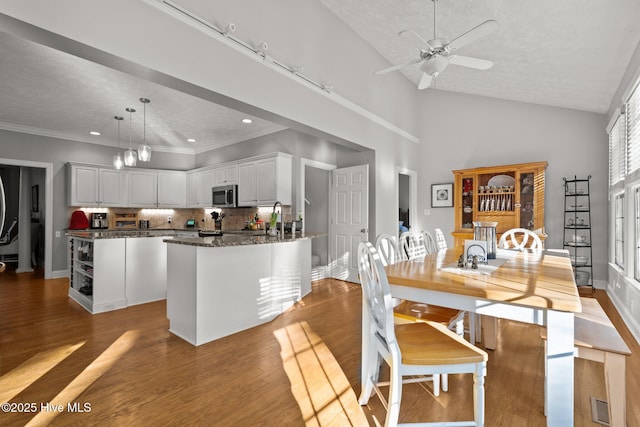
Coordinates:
318 384
15 381
88 376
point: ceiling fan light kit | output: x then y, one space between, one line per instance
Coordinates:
435 54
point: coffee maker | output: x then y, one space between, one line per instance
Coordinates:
99 220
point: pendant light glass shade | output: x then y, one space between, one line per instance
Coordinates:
144 149
118 162
130 156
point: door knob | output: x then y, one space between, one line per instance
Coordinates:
363 230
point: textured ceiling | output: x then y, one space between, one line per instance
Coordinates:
48 92
568 53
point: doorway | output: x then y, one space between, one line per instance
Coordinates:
407 199
313 202
41 175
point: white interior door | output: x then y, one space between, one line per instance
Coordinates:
349 222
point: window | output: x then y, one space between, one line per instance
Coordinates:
632 114
617 150
619 230
636 212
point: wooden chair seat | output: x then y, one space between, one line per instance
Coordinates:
413 311
430 343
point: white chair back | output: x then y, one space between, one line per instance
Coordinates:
377 293
441 242
429 243
388 250
518 238
411 246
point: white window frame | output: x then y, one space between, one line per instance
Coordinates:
619 230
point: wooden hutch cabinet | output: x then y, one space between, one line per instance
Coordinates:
511 195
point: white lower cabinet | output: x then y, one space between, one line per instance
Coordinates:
146 270
97 273
108 274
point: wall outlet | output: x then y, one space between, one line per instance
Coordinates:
169 219
58 234
427 211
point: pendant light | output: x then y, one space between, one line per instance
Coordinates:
118 162
130 156
144 149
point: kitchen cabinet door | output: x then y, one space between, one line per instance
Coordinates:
84 186
226 175
208 182
247 191
143 188
194 191
112 187
266 181
171 189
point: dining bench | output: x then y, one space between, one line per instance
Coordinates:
597 339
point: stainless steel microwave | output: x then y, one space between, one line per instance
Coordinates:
225 196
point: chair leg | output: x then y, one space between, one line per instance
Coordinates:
371 378
478 394
436 384
395 393
445 382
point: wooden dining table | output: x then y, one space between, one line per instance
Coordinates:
531 287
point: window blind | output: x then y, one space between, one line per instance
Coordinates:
632 114
617 152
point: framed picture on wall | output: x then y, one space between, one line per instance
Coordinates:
442 195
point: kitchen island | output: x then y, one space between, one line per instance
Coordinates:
217 286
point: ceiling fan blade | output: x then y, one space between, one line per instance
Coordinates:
397 67
487 27
469 62
425 81
413 36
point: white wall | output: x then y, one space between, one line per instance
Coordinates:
474 131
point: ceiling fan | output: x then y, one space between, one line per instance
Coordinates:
436 54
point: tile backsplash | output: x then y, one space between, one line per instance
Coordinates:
234 218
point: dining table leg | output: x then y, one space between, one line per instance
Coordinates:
559 362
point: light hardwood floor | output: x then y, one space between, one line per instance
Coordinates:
301 369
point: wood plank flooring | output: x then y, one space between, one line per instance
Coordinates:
300 369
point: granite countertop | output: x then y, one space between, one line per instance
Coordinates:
234 239
118 234
229 238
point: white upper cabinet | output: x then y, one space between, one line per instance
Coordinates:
143 188
194 190
171 189
264 181
226 175
208 182
96 186
112 187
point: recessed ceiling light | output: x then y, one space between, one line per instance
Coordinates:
95 133
191 140
247 121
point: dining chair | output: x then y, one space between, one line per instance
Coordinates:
387 247
429 243
518 238
441 242
411 246
421 349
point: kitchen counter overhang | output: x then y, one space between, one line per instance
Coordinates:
237 239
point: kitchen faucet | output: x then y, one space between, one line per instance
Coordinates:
281 218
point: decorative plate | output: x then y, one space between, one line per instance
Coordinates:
501 181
